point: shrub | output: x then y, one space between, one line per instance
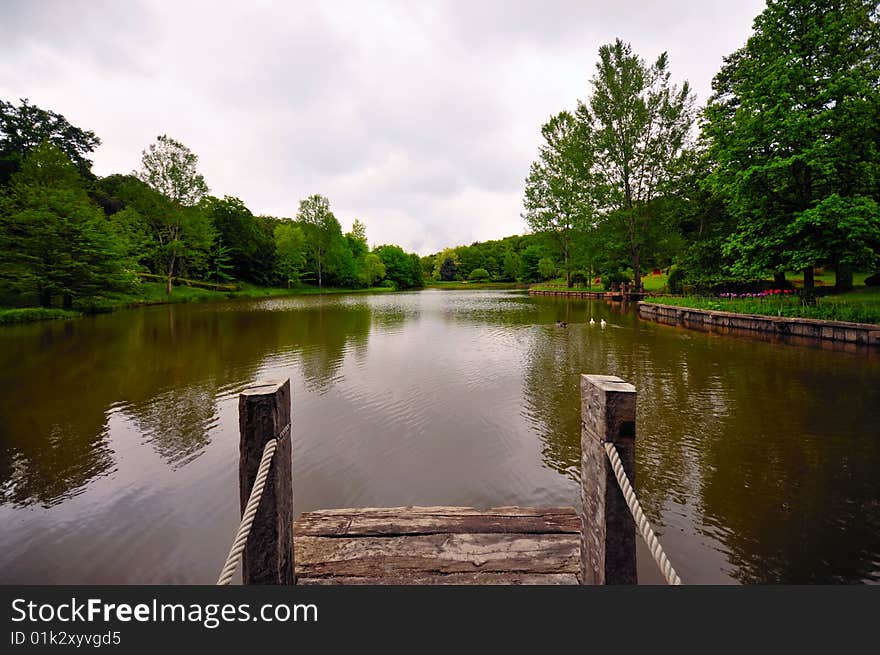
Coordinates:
479 275
675 280
873 280
388 284
616 277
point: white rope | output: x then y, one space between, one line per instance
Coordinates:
641 520
250 510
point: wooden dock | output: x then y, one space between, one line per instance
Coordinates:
435 545
438 545
616 296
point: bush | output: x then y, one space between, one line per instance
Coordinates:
873 280
675 280
616 277
388 284
479 275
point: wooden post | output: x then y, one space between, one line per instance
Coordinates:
608 539
263 413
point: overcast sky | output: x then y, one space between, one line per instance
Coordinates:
419 118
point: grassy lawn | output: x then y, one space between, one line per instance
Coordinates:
28 314
862 305
153 293
651 282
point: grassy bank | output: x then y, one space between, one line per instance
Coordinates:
153 293
862 305
9 316
464 284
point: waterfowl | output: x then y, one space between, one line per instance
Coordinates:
561 324
603 323
592 321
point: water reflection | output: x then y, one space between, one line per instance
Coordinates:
756 462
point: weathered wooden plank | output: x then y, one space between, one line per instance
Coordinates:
436 520
449 579
388 557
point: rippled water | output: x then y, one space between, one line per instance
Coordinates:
119 441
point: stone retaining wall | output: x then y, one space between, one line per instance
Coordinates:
858 333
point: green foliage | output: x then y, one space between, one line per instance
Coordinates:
792 123
641 125
529 263
24 128
547 269
54 241
440 260
250 240
479 275
221 263
557 193
448 270
290 252
371 269
30 314
615 278
675 280
170 168
402 269
853 307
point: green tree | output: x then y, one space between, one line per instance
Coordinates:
640 126
53 240
371 270
479 275
793 129
221 262
440 260
547 268
512 264
403 269
251 245
322 230
529 259
290 248
557 193
26 127
182 232
357 239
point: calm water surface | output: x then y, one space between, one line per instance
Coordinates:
757 463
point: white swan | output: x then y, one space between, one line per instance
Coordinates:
592 322
603 324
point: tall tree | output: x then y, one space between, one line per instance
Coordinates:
557 194
26 126
290 250
53 240
170 168
640 126
323 230
794 126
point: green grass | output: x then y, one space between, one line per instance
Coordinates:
9 316
153 293
862 305
464 284
652 283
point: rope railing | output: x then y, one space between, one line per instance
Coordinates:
250 510
641 520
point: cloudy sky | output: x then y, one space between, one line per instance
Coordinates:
420 118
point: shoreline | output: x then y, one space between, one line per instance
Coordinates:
861 334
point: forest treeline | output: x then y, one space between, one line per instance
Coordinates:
68 236
780 171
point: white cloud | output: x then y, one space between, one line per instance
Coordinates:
421 119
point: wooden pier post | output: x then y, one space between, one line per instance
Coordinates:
608 538
263 413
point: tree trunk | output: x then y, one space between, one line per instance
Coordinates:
779 279
809 282
67 301
843 278
45 298
637 273
320 280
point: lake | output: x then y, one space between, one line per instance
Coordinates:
756 462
